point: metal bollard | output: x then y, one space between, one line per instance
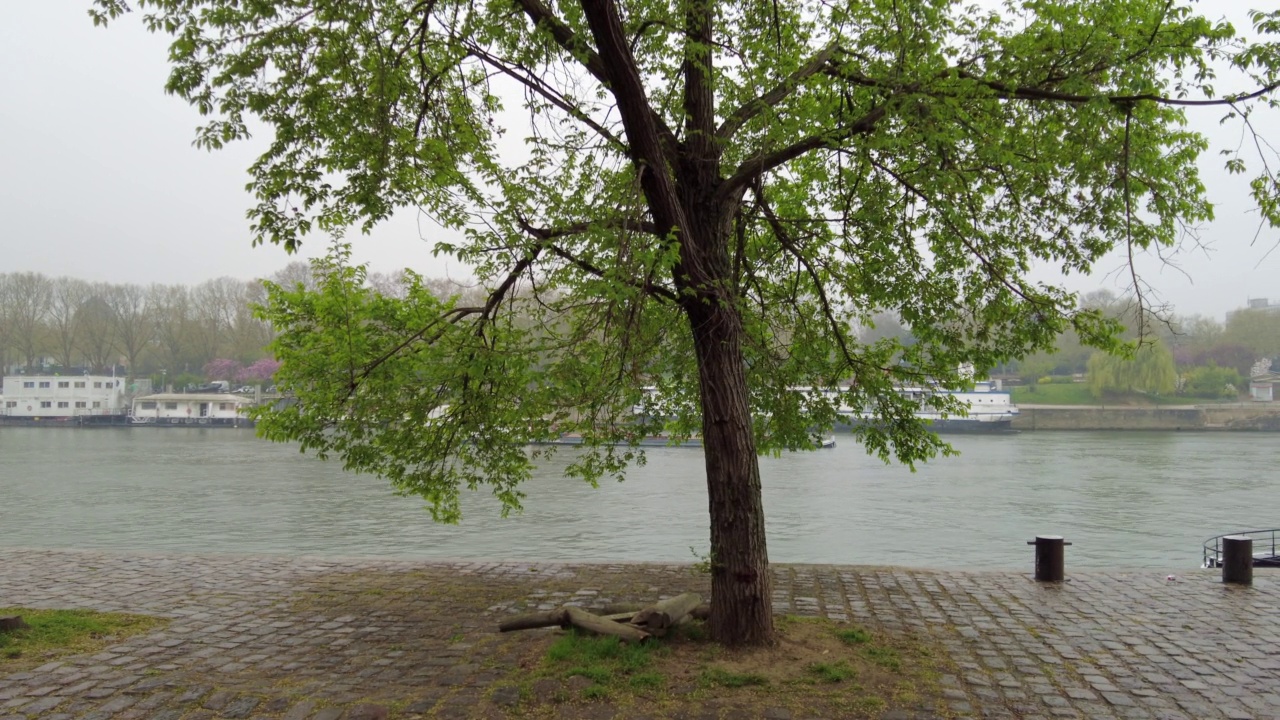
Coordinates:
1237 559
1050 558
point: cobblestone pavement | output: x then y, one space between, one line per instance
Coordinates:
324 639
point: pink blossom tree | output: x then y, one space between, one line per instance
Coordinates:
222 369
259 372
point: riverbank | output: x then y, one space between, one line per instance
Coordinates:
1246 417
325 639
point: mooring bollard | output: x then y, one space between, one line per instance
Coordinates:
1237 559
1050 557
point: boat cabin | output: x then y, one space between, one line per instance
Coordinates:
62 397
191 409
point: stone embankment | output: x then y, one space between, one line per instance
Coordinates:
310 639
1238 417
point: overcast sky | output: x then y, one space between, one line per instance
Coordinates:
100 181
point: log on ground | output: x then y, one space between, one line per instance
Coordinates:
580 618
551 618
666 613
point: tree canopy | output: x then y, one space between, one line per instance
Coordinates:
704 198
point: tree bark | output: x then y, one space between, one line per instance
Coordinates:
741 586
680 183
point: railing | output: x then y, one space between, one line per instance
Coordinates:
1265 544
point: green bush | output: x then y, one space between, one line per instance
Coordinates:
1211 381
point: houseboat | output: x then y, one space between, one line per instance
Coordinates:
63 400
990 409
191 410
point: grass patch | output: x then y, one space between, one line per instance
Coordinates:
1078 394
832 672
55 633
885 657
818 668
854 635
607 662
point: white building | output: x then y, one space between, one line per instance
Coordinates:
85 398
191 409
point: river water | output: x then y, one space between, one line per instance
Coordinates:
1123 499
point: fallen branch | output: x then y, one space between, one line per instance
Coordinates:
584 620
632 623
552 618
666 613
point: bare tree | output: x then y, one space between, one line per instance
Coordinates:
30 295
171 308
133 321
96 331
68 295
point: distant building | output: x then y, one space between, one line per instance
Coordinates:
1260 304
85 398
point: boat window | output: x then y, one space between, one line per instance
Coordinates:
81 403
44 383
97 404
64 383
46 404
29 384
98 384
171 406
64 404
11 403
145 405
79 383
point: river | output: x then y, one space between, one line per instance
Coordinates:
1125 500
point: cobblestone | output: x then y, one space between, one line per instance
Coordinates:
280 637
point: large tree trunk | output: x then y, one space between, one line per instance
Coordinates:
741 587
683 200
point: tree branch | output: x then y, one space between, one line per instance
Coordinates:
526 78
750 170
600 66
699 90
788 85
546 235
652 145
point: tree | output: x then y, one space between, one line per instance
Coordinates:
710 198
96 329
222 369
259 372
67 297
1148 369
134 321
30 295
1212 381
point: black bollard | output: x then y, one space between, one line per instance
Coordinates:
1237 559
1050 558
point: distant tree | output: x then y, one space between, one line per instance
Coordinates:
64 307
171 308
1258 330
259 372
1150 369
96 329
30 296
1211 381
134 322
223 369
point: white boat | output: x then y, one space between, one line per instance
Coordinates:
990 409
191 409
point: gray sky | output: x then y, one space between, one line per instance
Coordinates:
98 178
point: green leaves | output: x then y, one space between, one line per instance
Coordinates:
922 157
